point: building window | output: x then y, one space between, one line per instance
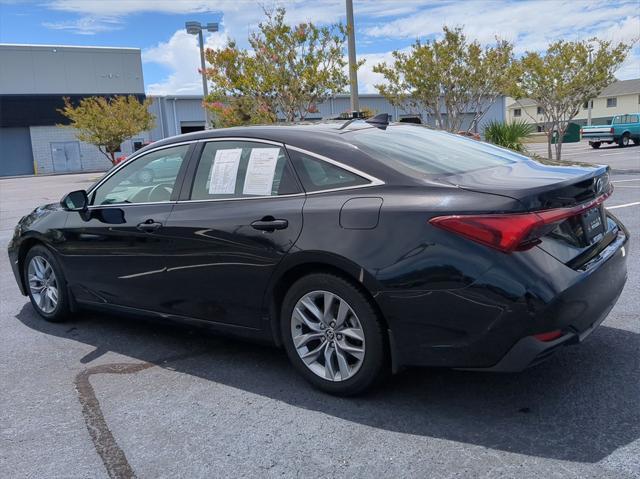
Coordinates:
540 128
585 105
540 110
517 112
612 102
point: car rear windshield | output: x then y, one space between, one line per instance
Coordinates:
416 149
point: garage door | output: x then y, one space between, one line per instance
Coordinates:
16 157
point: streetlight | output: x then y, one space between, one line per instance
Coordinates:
353 72
195 28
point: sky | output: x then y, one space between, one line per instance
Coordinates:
171 59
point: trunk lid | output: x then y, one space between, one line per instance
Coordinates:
535 185
539 187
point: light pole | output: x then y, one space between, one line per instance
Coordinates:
353 72
195 28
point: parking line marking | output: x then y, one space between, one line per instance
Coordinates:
612 154
623 206
625 181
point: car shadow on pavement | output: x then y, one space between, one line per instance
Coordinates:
581 405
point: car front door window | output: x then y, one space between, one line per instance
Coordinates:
148 179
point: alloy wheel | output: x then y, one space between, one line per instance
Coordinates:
43 284
327 335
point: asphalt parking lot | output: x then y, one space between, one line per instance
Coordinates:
619 159
105 396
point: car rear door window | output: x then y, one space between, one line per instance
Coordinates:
242 169
317 175
146 179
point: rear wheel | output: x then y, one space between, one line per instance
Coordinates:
332 335
46 285
624 140
595 144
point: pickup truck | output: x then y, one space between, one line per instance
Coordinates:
623 129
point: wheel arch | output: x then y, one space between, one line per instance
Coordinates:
25 245
299 265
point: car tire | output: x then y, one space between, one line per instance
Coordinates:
595 145
624 141
41 272
333 334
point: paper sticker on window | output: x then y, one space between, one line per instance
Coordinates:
260 171
222 180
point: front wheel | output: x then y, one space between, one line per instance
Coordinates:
595 145
46 285
332 335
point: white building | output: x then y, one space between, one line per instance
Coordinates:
619 98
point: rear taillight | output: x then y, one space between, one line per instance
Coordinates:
611 130
581 131
511 232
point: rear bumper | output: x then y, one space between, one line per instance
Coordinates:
491 324
598 138
530 351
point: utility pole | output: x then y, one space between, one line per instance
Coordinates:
589 101
353 72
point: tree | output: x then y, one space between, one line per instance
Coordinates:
108 122
289 71
561 79
448 78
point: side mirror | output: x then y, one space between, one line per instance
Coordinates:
75 201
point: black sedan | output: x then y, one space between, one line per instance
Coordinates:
361 248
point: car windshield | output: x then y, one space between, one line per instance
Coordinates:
413 149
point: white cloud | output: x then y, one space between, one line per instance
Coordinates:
87 25
181 55
530 24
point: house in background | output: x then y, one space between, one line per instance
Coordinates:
619 98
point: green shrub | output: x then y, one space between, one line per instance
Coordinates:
508 135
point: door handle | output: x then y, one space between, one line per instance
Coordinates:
149 226
269 223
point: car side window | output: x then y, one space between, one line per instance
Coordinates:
242 169
317 175
147 179
633 118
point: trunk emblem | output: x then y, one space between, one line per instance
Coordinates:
599 186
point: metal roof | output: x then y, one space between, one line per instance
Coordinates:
617 88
